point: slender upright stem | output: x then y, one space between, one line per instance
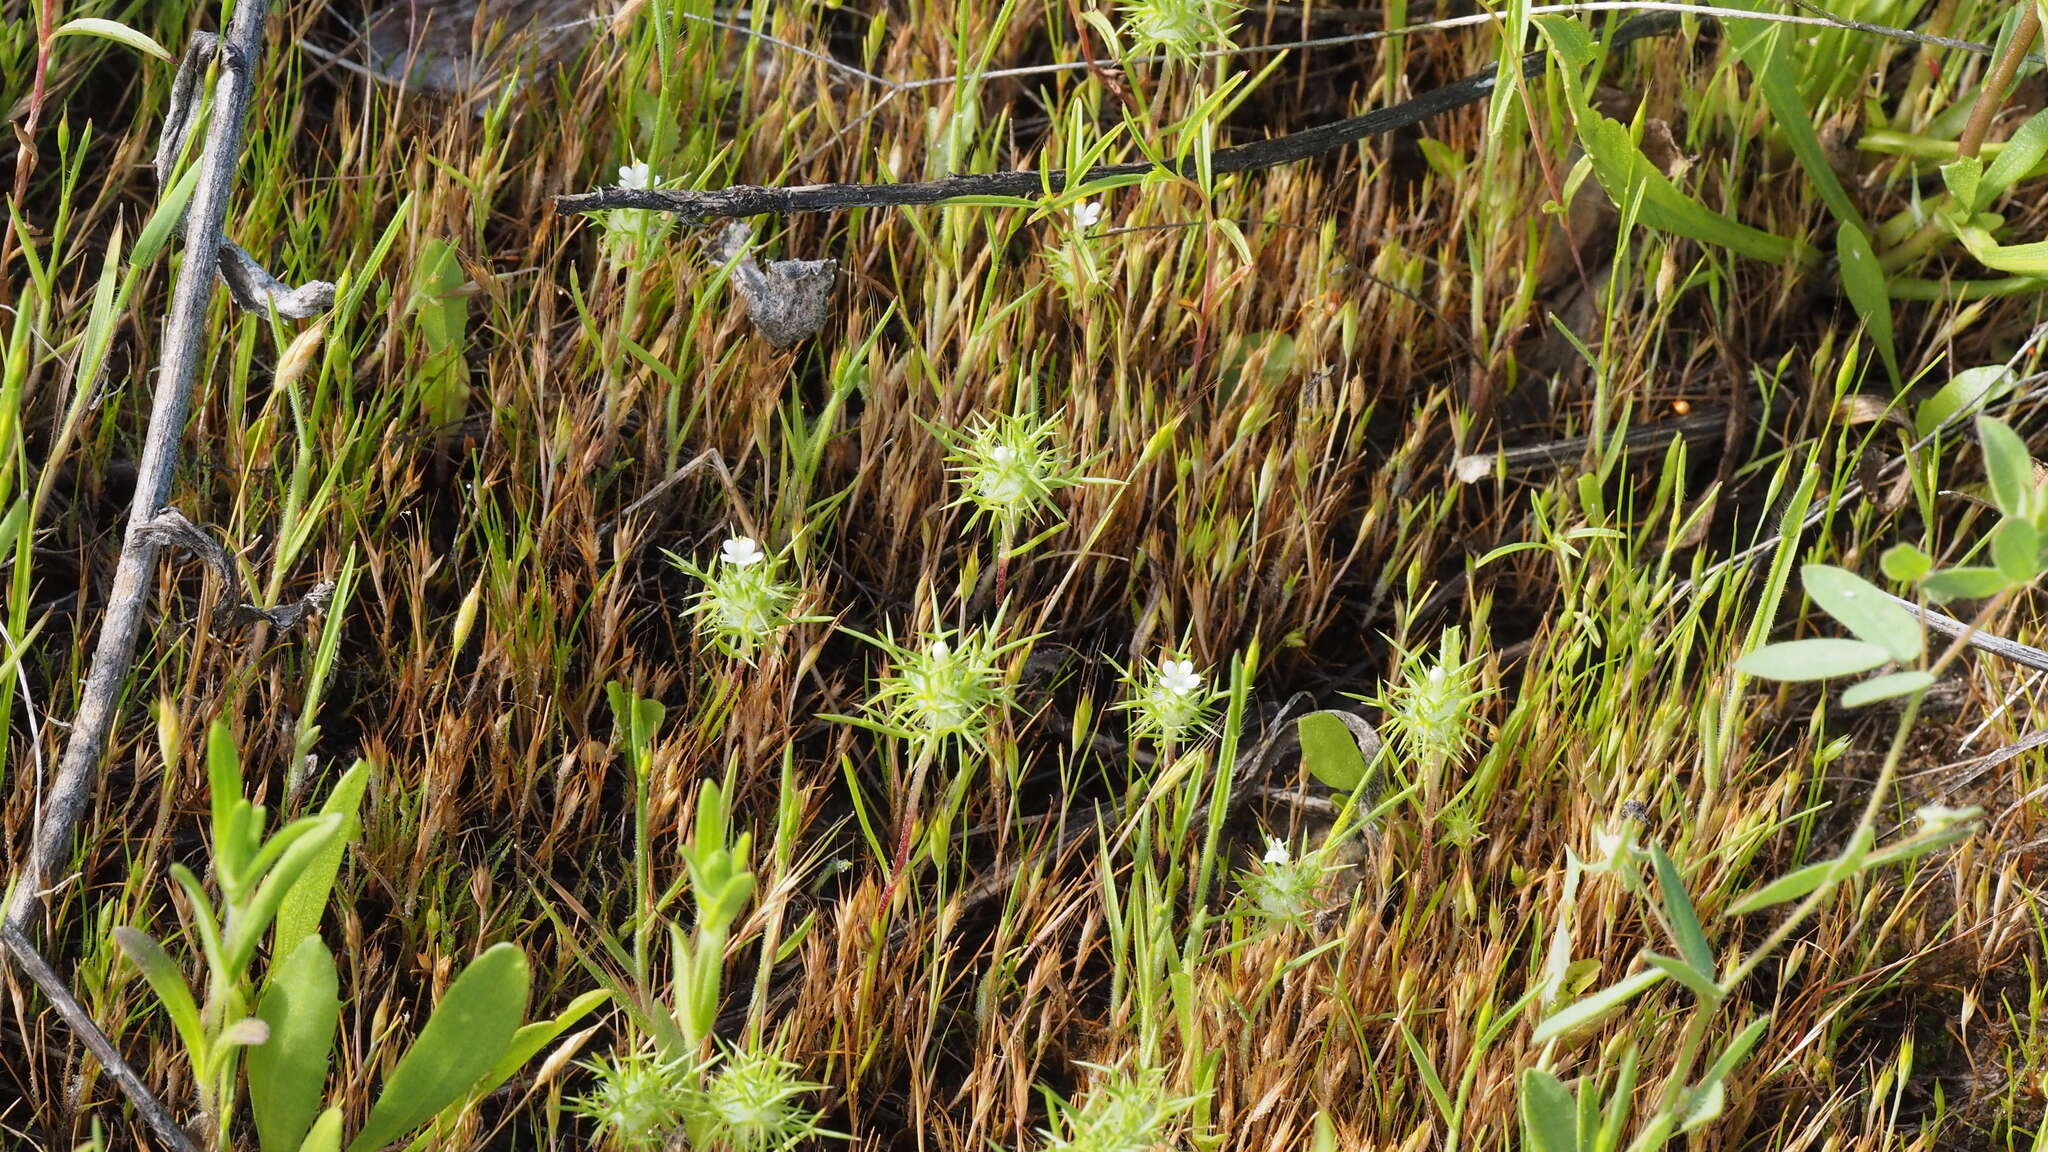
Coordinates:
71 793
1991 97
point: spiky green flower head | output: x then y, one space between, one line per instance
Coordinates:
1284 890
754 1103
1182 28
1433 707
953 686
639 1099
1008 467
1168 701
1125 1110
742 606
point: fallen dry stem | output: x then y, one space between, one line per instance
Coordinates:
72 790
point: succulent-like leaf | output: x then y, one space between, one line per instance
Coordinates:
468 1033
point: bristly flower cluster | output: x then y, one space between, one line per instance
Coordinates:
746 1100
949 688
1182 28
1433 707
753 1103
1284 890
742 606
639 1099
1124 1111
1008 467
1170 701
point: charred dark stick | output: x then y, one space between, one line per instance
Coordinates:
71 793
749 200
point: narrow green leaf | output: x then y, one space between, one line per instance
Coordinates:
2014 259
305 902
1704 1106
466 1036
2023 150
1701 983
1886 687
1791 886
1858 605
230 810
528 1041
1430 1080
1591 1010
1799 660
1550 1115
255 917
288 1074
1738 1049
161 972
1685 922
115 31
1863 280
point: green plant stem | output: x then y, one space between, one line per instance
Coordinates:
927 752
1991 96
1695 1033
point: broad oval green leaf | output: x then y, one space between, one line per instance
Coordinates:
326 1133
1964 393
1864 610
2008 466
464 1038
1970 583
1550 1116
1886 687
1799 660
288 1074
1330 751
1905 563
2016 550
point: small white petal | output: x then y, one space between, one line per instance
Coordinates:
1276 851
741 552
941 649
636 175
1087 213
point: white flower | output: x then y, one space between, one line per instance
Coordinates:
1276 852
741 552
1179 677
637 175
1086 214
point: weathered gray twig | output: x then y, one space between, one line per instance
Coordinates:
2013 650
159 1118
253 289
72 791
170 529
